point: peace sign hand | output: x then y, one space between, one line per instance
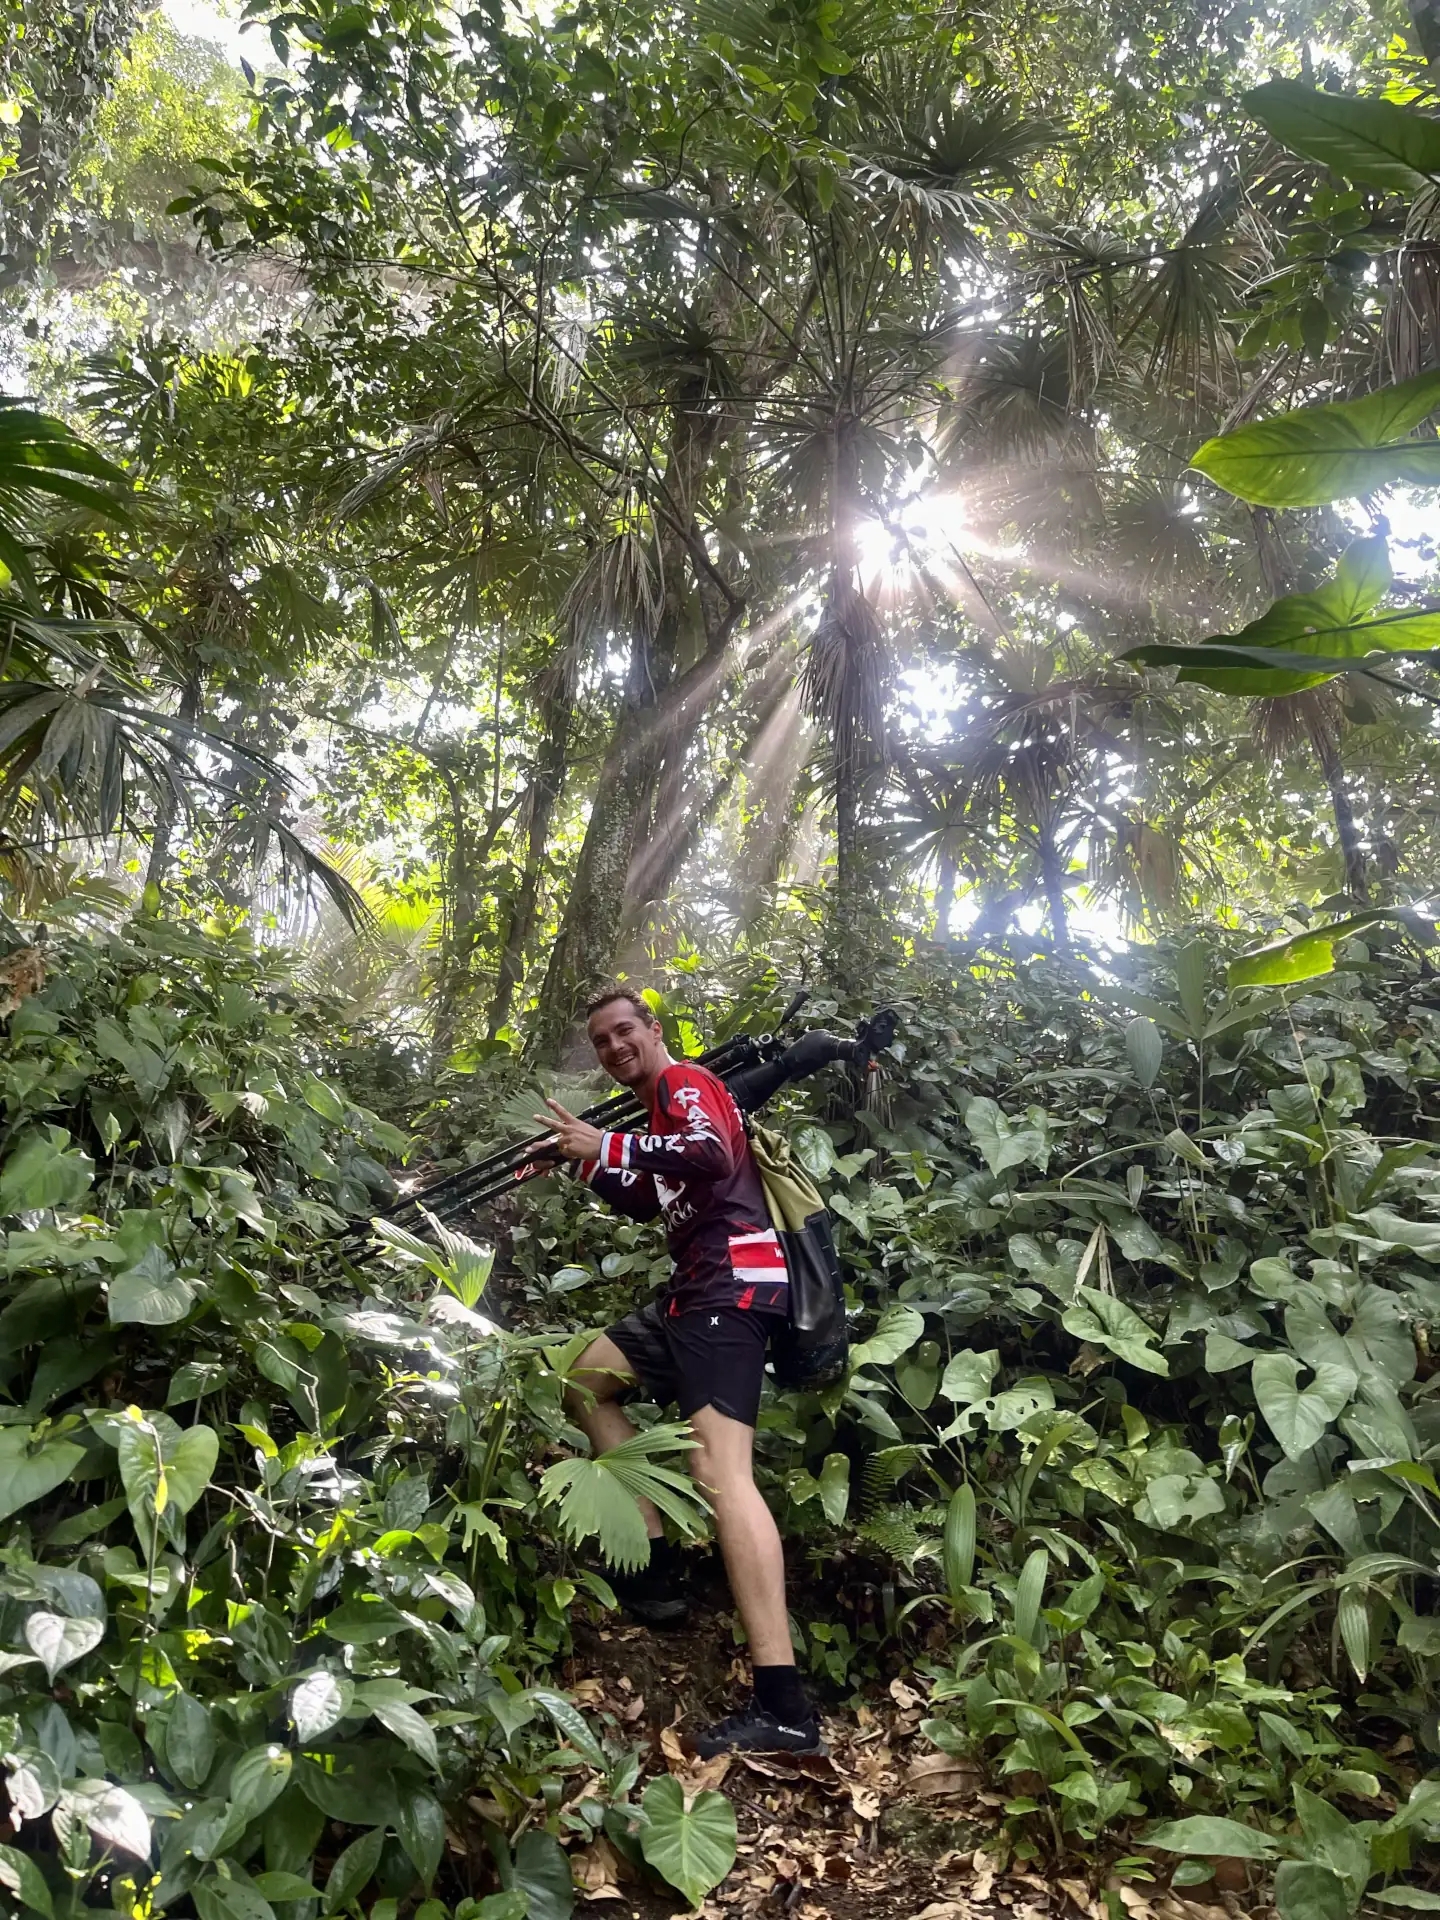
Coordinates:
573 1138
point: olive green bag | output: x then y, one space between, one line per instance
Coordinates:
814 1346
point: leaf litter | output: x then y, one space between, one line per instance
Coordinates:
823 1837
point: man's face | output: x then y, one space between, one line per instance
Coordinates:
628 1045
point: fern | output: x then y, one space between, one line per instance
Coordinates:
600 1496
898 1537
883 1470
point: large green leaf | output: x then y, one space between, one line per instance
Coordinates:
692 1845
1107 1322
898 1329
1313 455
1210 1834
28 1473
1288 647
1371 142
44 1171
1308 955
1304 1890
1298 1419
598 1497
20 1877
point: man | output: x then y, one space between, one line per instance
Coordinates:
701 1344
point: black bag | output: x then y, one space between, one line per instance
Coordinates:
812 1350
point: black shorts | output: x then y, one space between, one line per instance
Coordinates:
713 1357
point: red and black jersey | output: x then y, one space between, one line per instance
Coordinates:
695 1167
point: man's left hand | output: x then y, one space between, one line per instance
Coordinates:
576 1139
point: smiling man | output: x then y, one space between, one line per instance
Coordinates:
701 1344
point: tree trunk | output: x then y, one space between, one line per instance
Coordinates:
1347 828
459 935
1052 868
540 804
584 952
945 897
169 811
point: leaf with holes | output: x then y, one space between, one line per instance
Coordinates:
1298 1419
1107 1322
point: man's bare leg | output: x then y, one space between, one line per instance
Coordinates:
600 1374
723 1464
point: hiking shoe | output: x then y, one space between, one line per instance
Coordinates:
755 1731
653 1596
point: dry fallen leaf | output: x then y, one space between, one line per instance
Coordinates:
589 1693
596 1871
864 1801
673 1750
1080 1894
937 1774
488 1809
945 1910
904 1696
633 1709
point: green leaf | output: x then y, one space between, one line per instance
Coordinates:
958 1547
189 1466
1209 1834
258 1778
150 1294
1107 1322
20 1876
542 1873
189 1741
835 1487
353 1870
59 1642
969 1376
898 1329
1308 955
112 1814
1144 1049
1003 1142
421 1826
27 1473
598 1497
693 1847
220 1897
1029 1592
407 1725
1372 142
319 1702
814 1149
1304 1890
44 1170
1298 1419
1415 1898
1313 455
571 1723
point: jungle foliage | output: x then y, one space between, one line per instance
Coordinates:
750 496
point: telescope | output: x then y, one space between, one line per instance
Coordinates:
753 1066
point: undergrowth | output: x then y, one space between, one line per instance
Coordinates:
1132 1477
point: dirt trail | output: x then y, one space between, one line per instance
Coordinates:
884 1828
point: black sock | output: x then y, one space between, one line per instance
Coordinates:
779 1693
662 1557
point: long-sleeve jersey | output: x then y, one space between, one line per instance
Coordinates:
695 1167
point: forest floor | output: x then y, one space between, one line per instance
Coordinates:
884 1828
